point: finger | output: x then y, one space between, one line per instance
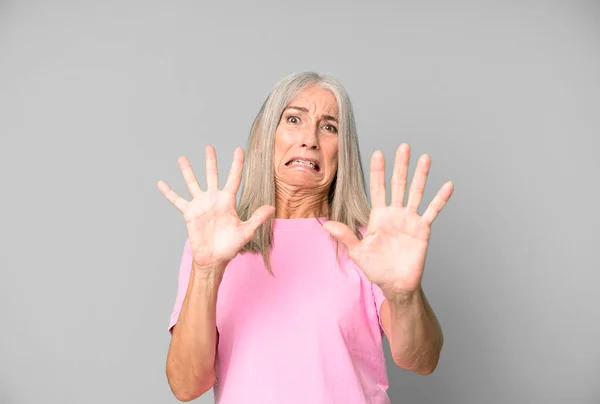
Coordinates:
415 193
377 180
259 216
399 175
189 177
235 173
342 233
438 202
212 174
175 199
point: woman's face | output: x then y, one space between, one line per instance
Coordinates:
306 140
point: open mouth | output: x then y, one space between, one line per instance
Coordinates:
306 163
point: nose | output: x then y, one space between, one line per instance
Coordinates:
310 138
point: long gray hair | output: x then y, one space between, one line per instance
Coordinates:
347 197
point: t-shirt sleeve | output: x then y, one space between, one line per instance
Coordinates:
185 269
378 297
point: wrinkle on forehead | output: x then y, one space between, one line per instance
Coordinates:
316 98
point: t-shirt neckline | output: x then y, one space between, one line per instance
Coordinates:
298 223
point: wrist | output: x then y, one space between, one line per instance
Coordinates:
400 296
210 273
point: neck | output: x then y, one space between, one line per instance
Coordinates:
298 203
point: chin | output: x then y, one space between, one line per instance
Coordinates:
301 181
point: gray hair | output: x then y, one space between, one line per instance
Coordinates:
347 197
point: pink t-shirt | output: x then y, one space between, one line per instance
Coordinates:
311 334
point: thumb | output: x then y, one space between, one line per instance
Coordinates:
342 233
259 216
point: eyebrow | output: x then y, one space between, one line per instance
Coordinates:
327 117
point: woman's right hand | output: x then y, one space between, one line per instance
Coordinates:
215 231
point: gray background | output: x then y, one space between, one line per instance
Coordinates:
98 99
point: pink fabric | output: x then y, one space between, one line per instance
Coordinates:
311 334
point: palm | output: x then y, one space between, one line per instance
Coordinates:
394 246
215 231
213 228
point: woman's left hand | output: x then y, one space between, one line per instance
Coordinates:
392 251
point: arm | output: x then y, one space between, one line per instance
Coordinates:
392 255
216 235
191 357
413 330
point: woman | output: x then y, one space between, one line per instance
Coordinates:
268 309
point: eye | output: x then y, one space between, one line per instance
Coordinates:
292 119
331 128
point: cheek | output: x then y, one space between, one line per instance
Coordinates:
334 165
332 154
283 137
279 144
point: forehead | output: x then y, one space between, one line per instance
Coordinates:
317 100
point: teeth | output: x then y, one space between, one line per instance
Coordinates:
306 163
